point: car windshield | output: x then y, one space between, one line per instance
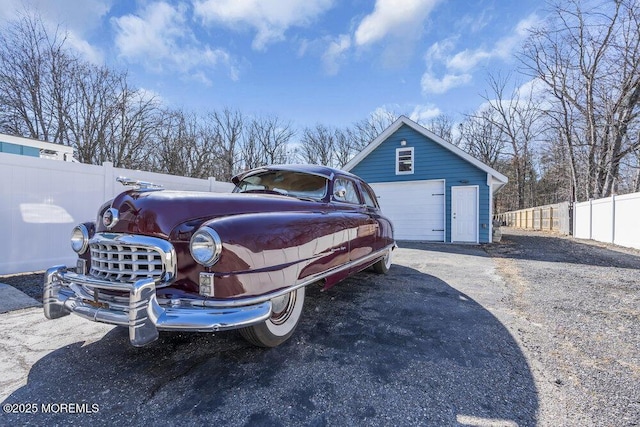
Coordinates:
290 183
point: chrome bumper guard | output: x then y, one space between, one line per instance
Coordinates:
66 292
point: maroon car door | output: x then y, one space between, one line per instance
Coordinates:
382 226
363 229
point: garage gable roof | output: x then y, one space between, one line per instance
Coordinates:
403 120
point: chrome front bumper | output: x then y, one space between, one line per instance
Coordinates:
66 292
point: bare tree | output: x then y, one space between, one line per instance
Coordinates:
518 119
48 93
266 141
207 153
34 67
135 119
87 120
185 144
588 56
480 137
229 125
343 149
441 125
317 145
171 143
362 133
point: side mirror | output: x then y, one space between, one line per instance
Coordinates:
340 192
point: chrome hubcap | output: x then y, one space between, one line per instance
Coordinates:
281 307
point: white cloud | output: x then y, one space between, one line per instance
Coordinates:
335 53
534 88
475 23
71 18
390 17
432 84
77 16
458 67
159 37
154 34
424 113
399 23
85 49
531 91
439 51
502 49
467 59
269 18
145 95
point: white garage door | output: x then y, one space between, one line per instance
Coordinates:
416 208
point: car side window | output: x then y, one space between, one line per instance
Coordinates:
350 191
369 197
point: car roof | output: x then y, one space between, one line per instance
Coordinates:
324 171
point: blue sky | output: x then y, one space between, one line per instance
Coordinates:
306 61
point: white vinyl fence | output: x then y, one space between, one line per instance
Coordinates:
614 219
41 200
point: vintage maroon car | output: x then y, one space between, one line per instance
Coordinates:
188 261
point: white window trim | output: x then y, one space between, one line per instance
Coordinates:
413 161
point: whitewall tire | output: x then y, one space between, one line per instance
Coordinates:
384 264
285 315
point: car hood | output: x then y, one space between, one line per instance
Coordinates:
158 213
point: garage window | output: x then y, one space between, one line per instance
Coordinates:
404 161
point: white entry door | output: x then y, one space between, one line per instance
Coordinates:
464 214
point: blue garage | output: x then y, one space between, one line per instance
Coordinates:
428 187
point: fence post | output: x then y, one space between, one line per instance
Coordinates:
590 219
550 218
532 218
613 218
540 219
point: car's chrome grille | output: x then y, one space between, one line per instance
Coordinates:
125 263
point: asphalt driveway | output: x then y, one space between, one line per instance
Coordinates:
425 345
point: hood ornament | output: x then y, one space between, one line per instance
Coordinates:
139 185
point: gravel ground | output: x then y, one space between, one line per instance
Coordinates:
30 283
419 346
576 307
573 308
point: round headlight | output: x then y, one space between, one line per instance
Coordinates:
206 246
80 239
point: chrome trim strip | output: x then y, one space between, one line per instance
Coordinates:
93 282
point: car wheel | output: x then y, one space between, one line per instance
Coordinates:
285 315
384 264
